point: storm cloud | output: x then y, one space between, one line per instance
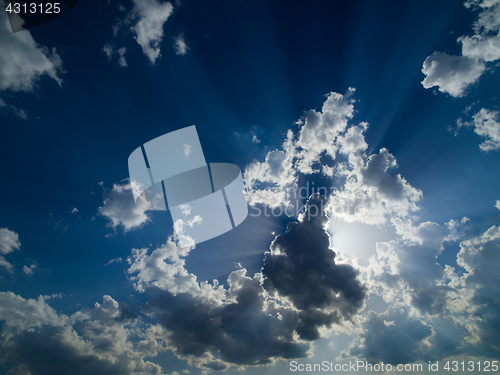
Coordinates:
301 267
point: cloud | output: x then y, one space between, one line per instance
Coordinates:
21 113
436 311
9 241
301 267
479 290
497 205
240 323
327 144
23 61
180 45
258 319
486 123
271 181
454 74
392 337
109 51
245 331
481 48
408 271
35 339
121 210
148 30
29 270
370 194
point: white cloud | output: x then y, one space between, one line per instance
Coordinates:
486 123
454 74
369 194
165 268
23 61
120 209
109 51
271 181
497 205
180 45
9 241
29 270
484 48
148 30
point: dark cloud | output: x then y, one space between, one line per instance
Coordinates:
45 351
374 174
480 256
419 271
35 340
248 331
392 337
301 266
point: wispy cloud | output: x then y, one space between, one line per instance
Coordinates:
180 45
486 123
151 15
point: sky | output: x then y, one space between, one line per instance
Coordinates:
368 138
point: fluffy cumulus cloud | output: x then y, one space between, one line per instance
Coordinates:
149 17
454 74
328 144
371 194
9 242
120 209
23 61
451 74
270 182
435 311
486 123
305 289
106 339
258 319
480 257
396 277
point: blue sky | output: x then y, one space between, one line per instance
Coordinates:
389 109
